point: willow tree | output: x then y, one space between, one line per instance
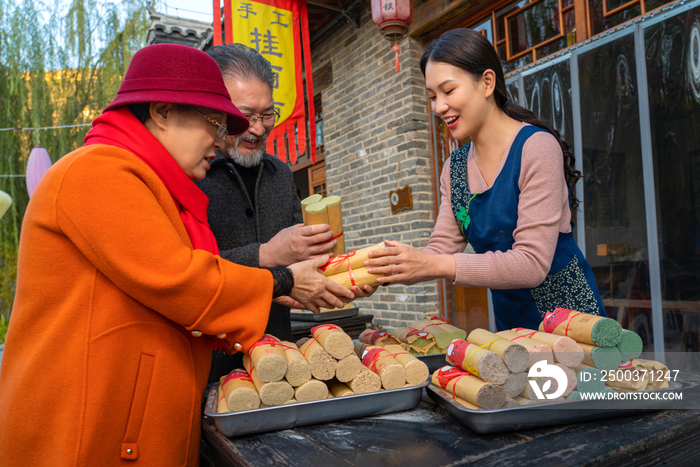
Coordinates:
60 65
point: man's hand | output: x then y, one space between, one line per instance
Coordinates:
314 290
296 243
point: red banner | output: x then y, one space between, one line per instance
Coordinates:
279 31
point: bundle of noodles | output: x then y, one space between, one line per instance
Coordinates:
443 332
349 269
379 338
418 342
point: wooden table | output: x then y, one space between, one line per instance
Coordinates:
352 325
428 437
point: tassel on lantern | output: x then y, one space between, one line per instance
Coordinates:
396 50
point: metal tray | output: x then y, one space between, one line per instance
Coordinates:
544 415
434 362
311 413
324 315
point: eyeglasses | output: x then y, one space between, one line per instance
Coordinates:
267 119
221 128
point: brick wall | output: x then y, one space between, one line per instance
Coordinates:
374 118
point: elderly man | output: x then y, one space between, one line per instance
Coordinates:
254 210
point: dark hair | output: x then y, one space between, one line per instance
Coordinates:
241 61
469 50
141 111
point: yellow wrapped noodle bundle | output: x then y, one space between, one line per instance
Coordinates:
379 338
459 383
418 342
356 277
309 200
339 389
537 350
333 339
221 406
455 332
355 259
316 213
298 369
515 356
459 400
239 391
335 220
322 364
268 358
416 371
391 372
442 334
480 362
564 349
581 327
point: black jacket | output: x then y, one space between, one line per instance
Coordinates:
240 226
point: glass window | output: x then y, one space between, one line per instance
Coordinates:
616 238
673 77
599 22
485 28
611 5
510 65
535 24
513 93
548 95
654 4
501 18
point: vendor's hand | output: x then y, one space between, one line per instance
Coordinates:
399 263
288 301
296 243
314 290
365 292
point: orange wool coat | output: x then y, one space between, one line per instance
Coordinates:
99 357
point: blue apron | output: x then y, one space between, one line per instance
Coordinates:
487 220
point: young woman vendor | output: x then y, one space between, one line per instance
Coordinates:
507 193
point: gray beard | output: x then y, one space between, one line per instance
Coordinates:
249 160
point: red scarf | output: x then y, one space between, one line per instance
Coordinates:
121 129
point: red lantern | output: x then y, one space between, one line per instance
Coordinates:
393 17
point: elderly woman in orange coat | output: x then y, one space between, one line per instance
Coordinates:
121 295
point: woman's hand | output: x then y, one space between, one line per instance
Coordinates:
313 290
365 292
288 301
403 264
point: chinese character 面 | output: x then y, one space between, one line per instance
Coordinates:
276 70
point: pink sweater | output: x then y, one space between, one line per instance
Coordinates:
543 212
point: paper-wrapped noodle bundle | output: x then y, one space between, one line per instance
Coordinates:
582 327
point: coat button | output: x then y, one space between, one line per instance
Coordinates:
238 346
129 451
249 212
221 336
196 333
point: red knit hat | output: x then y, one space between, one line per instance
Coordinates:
177 74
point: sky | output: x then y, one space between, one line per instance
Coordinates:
201 10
